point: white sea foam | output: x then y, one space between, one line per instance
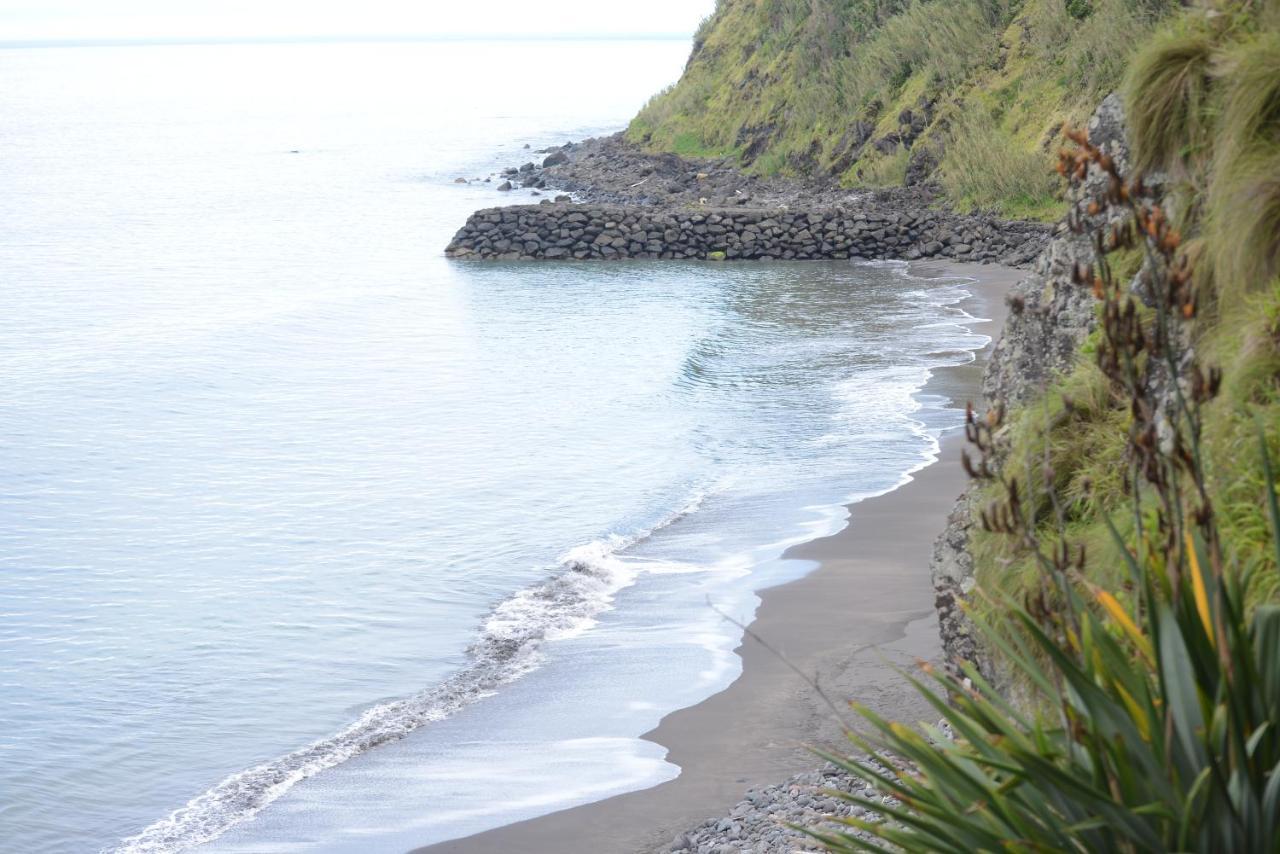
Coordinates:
510 645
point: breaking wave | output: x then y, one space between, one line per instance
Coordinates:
510 645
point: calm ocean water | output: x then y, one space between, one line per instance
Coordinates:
312 540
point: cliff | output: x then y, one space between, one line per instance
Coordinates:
1040 343
971 93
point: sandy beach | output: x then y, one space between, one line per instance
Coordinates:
863 614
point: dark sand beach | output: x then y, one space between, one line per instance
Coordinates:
862 615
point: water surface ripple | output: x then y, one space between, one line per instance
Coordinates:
281 485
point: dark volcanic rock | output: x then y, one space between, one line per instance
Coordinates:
664 206
739 233
921 166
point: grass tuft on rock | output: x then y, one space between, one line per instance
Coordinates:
1167 89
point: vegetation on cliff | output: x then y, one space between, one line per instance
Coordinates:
1130 566
882 92
1156 700
1204 104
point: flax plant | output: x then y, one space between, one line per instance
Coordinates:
1158 724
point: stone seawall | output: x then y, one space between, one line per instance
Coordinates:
566 232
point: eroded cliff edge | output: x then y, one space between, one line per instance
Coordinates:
1049 319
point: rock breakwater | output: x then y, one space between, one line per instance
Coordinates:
566 232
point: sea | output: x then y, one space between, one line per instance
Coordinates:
313 540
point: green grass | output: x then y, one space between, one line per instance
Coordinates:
775 81
1244 203
884 170
1246 342
1167 90
985 167
1084 444
689 145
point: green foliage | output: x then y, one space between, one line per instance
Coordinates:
1167 92
1246 341
945 40
781 83
985 167
888 170
1090 55
1079 9
1244 202
1155 724
1161 735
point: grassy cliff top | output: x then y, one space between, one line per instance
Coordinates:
885 92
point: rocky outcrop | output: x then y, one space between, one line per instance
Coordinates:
611 171
566 232
1049 319
1053 316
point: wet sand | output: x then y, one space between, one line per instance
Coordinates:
864 614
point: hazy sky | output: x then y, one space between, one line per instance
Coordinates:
27 20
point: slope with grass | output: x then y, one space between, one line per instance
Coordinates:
1127 557
880 92
1203 105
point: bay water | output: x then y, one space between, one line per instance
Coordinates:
312 540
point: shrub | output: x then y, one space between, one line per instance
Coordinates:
1079 9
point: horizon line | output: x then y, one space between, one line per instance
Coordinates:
175 41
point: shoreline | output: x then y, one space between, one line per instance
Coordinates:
628 203
864 613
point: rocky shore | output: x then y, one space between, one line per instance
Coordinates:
610 171
764 821
630 204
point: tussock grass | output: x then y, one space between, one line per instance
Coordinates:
885 170
1167 93
985 167
1246 341
945 40
1244 202
1091 53
1244 220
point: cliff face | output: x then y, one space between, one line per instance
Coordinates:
1049 320
971 93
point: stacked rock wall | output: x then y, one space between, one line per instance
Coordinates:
563 231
